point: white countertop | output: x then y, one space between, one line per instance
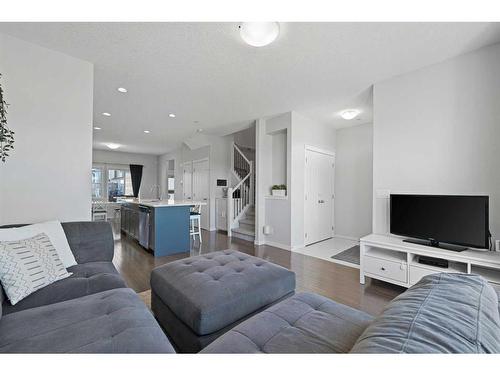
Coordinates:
164 203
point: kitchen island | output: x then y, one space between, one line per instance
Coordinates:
159 225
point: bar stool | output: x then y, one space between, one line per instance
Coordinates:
195 222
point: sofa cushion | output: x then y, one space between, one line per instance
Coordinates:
209 292
305 323
87 278
443 313
90 241
1 300
52 229
28 265
114 321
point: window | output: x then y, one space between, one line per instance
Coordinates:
109 182
119 183
171 187
97 183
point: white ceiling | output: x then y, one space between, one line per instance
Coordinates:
204 72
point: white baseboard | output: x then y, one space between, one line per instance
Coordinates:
347 237
278 245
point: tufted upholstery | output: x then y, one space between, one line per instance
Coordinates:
209 292
114 321
305 323
87 278
442 313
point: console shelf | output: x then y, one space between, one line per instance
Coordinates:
389 259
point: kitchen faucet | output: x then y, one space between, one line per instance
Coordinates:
158 189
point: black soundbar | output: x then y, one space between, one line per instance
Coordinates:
436 262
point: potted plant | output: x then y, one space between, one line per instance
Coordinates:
279 190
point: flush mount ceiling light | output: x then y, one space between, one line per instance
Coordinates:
349 114
106 114
171 115
147 131
259 34
112 146
122 89
97 128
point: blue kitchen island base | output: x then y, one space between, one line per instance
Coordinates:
171 230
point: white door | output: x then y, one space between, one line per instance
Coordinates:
201 191
187 180
318 203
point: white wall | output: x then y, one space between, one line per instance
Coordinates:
305 132
48 175
354 181
437 130
149 170
279 157
269 211
286 217
213 147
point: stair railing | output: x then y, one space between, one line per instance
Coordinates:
240 196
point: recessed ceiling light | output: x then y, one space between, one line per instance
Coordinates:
112 146
349 114
171 115
122 89
259 34
147 131
106 114
97 128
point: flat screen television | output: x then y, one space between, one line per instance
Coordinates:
452 222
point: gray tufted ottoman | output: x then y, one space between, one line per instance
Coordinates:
198 299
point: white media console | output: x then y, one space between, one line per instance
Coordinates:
389 259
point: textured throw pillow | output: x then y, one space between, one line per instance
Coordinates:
28 265
53 230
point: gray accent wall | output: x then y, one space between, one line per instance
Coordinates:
354 181
437 131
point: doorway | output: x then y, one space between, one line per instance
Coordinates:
196 186
319 195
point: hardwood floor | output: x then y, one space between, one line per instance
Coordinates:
331 280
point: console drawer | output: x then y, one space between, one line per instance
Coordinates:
397 271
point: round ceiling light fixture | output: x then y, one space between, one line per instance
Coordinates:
97 128
147 131
259 34
107 114
112 146
349 114
122 89
171 115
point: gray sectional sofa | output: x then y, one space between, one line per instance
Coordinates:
92 311
443 313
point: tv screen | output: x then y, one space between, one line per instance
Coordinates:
454 219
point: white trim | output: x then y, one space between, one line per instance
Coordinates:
328 153
278 245
320 150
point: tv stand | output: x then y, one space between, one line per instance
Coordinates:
395 260
433 243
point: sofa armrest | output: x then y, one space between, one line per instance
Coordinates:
90 241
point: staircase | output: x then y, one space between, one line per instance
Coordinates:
241 197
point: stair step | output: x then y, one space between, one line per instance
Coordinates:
245 231
247 221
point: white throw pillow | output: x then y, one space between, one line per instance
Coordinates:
29 265
52 229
